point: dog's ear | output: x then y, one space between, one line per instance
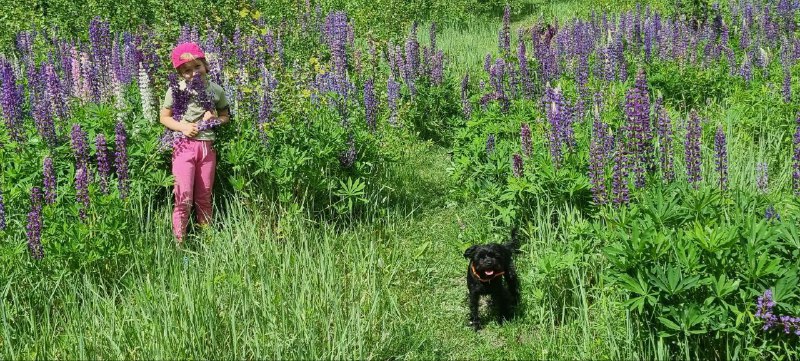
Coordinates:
470 252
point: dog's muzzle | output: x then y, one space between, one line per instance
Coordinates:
492 274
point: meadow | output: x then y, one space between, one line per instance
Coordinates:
649 153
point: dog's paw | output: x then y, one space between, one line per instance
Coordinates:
476 325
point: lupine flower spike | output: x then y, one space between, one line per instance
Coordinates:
34 226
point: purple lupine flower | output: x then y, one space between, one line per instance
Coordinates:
50 183
180 98
237 39
765 309
744 37
640 137
2 212
568 119
91 75
55 93
427 62
525 139
412 54
392 97
129 62
82 188
649 35
79 147
42 114
582 75
791 323
496 78
44 121
167 140
34 226
197 87
100 39
608 64
337 33
558 119
487 62
490 144
762 177
770 214
692 149
370 104
598 154
121 159
518 166
11 101
504 38
746 71
664 131
266 110
437 67
208 124
786 65
24 42
348 157
103 161
527 84
394 53
796 158
721 151
619 182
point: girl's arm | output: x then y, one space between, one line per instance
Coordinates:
188 129
223 115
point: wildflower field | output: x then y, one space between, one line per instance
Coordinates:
649 153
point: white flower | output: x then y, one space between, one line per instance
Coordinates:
147 96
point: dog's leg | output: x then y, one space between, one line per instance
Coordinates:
512 282
501 300
474 316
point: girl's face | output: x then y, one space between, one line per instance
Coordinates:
192 68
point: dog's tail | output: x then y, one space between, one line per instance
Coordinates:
513 244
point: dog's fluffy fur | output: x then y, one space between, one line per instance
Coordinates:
491 272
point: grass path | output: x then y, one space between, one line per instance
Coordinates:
433 290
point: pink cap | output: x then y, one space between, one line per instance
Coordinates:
186 52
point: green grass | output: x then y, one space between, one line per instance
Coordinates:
269 283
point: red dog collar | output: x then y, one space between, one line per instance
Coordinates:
472 267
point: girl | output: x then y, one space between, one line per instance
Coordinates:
193 158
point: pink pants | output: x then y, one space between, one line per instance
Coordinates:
193 165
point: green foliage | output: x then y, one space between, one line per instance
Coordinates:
297 157
693 262
434 111
488 176
696 11
382 19
689 86
97 245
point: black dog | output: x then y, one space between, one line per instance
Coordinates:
489 265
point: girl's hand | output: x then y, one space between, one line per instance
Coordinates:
209 114
189 129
